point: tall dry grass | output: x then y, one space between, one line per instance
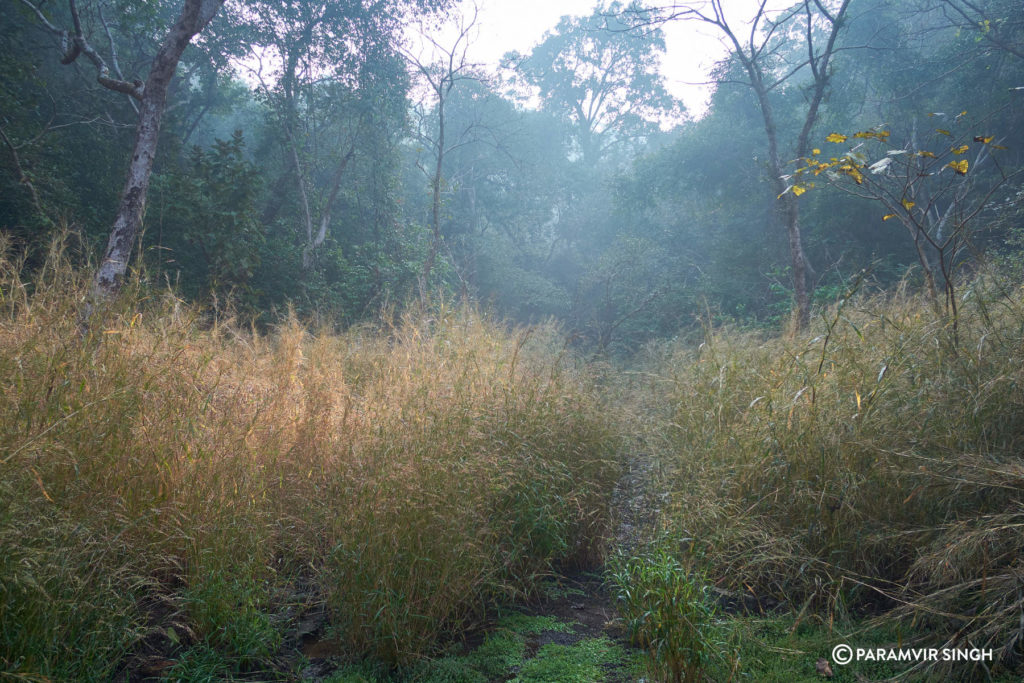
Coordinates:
875 464
168 475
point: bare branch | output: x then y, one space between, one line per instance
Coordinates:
79 45
23 177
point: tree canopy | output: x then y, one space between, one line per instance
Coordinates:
305 157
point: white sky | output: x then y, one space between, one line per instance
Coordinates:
691 49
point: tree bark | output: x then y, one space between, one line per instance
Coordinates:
435 206
819 64
195 15
790 210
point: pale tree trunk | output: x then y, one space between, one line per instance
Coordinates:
152 99
315 241
195 15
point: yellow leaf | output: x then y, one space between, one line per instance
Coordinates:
818 151
984 139
998 147
925 153
888 216
836 138
907 204
852 171
799 190
872 134
959 150
959 166
857 394
943 131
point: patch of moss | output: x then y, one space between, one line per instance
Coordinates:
527 625
556 590
503 654
584 662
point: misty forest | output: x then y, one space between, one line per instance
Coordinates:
332 351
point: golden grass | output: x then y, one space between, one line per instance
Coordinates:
412 474
874 462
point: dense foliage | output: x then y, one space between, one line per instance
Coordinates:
571 184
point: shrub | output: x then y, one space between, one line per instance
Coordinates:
668 611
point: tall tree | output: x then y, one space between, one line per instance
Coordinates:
314 59
441 68
152 100
601 77
818 24
310 57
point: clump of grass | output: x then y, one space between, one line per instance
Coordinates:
668 611
415 473
873 463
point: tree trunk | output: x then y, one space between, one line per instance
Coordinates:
791 210
435 207
195 15
801 293
819 64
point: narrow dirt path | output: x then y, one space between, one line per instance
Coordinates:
584 601
569 634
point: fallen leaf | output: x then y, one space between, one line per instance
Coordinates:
823 668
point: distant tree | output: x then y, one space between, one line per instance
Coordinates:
1000 23
441 67
601 77
323 69
207 222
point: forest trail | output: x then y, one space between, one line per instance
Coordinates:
570 632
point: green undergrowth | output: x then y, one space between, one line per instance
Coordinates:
668 611
504 656
167 473
585 662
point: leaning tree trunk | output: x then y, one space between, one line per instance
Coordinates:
195 15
